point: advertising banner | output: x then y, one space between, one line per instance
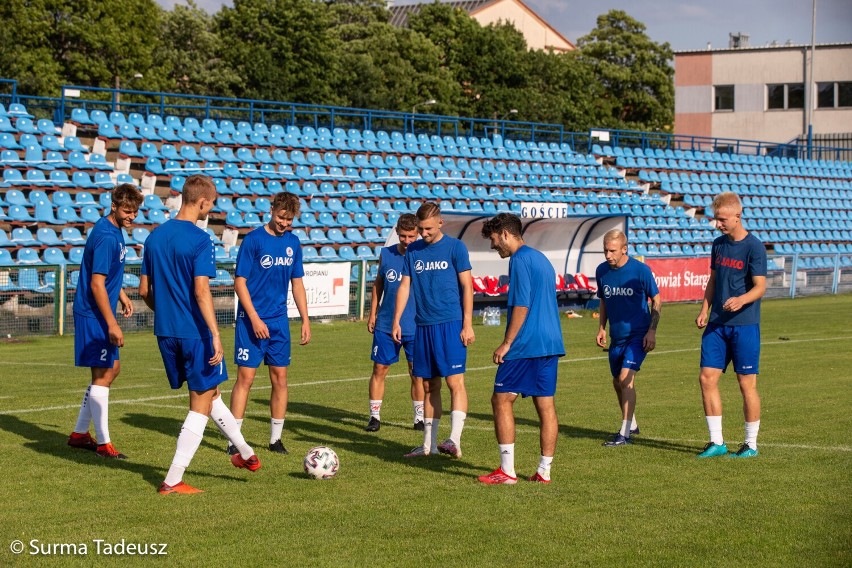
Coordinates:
680 279
327 290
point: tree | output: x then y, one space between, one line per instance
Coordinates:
385 67
188 56
634 71
45 43
283 49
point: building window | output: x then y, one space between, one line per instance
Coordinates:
834 95
796 95
775 97
844 94
723 98
785 96
825 95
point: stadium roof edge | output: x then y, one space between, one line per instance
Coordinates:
761 48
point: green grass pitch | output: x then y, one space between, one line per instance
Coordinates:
650 504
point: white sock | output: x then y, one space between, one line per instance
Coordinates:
85 415
456 426
507 459
187 444
625 428
227 424
633 424
417 405
714 425
99 407
276 425
751 429
376 409
239 422
544 466
430 434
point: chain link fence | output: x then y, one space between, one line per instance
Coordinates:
39 300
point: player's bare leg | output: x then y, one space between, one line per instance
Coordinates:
416 398
751 412
377 394
278 407
458 403
504 428
546 409
712 400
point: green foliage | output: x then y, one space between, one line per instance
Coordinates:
634 71
188 57
283 49
87 42
341 52
386 67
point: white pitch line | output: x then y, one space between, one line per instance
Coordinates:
355 379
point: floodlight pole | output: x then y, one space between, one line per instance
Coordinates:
809 94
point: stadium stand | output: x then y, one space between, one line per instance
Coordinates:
354 184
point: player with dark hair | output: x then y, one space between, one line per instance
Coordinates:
625 286
269 261
97 335
175 284
437 272
732 298
385 351
529 355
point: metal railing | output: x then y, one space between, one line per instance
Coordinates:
39 299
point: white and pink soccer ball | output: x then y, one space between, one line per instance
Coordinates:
321 462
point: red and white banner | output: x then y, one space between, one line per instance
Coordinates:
680 279
326 288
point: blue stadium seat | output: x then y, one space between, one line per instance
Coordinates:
27 255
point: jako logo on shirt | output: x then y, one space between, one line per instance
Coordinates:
391 275
420 266
610 291
730 263
268 261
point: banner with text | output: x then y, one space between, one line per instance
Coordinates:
680 279
530 210
327 290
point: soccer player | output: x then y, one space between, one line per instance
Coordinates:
732 299
385 350
529 355
269 261
175 284
625 286
436 271
97 336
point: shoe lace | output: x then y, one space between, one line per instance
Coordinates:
744 448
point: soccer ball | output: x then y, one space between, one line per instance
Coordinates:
321 462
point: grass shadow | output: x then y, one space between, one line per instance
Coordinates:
322 429
42 440
571 431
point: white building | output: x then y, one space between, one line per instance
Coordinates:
760 93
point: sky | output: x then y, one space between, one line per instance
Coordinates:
687 24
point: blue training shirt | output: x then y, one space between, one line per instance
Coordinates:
390 271
175 253
531 278
268 263
625 292
735 263
104 254
434 270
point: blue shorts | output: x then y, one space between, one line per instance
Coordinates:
528 377
439 351
627 355
91 344
386 350
249 351
186 361
722 344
